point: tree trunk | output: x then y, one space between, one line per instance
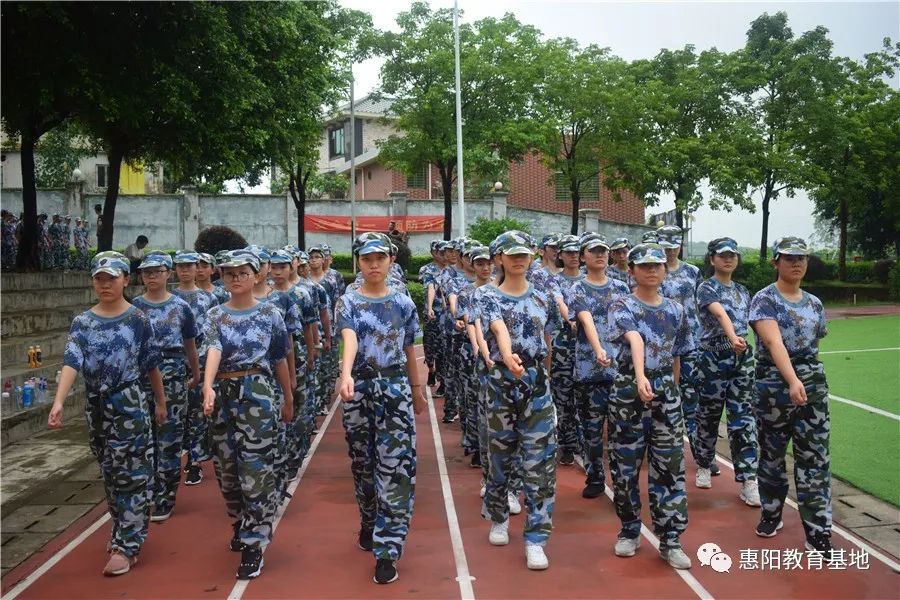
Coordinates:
764 242
679 213
576 206
297 186
105 235
28 257
843 217
447 187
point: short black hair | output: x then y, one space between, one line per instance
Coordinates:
98 208
142 239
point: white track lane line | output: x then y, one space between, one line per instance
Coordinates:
855 351
865 407
61 554
685 575
463 577
241 586
892 564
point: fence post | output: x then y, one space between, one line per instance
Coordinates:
498 204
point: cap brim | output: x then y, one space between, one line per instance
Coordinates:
186 262
595 244
238 263
794 252
646 260
109 271
516 250
726 249
373 249
669 244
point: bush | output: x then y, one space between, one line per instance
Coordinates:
858 272
215 239
485 230
416 263
882 269
342 262
894 281
818 269
756 276
417 293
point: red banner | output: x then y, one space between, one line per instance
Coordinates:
340 223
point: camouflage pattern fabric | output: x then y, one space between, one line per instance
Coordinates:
251 338
80 241
563 389
655 429
593 407
521 418
244 433
121 438
173 320
808 427
197 438
10 245
168 438
380 430
614 272
802 323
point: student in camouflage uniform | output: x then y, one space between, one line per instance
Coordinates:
431 334
650 334
112 345
338 287
380 389
316 293
325 366
196 444
561 384
681 283
65 243
618 260
247 345
175 329
10 241
45 248
793 398
593 371
450 280
725 369
519 322
80 241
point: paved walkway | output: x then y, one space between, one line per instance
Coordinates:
874 310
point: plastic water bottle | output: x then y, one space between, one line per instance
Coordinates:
19 396
28 394
42 390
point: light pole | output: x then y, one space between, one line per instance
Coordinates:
459 145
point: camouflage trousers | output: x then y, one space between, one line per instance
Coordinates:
726 381
690 396
468 413
431 342
169 437
521 418
562 387
297 433
484 395
808 427
380 429
196 439
657 429
120 435
81 262
593 406
61 256
244 432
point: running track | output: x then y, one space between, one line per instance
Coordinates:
314 552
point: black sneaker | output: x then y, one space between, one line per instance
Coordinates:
194 475
447 419
365 540
567 458
431 379
593 489
385 571
822 544
476 460
768 527
251 563
714 469
439 392
236 544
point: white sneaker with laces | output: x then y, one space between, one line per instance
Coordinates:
750 493
676 558
499 533
627 546
514 506
535 558
704 478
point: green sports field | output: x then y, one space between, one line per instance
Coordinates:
865 447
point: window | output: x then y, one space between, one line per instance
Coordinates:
590 189
102 175
419 179
336 142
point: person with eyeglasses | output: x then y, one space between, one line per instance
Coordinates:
246 351
792 400
175 329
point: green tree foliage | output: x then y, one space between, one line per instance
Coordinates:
58 153
485 230
499 79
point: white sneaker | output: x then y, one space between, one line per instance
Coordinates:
535 558
676 558
514 506
483 489
627 546
750 493
499 533
704 478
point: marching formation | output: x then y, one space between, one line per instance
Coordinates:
597 352
56 238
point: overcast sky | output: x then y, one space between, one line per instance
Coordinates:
640 29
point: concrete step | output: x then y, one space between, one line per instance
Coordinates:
82 295
18 374
12 282
15 349
13 324
23 424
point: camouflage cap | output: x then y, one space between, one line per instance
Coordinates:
721 245
619 243
513 242
594 240
220 256
479 252
156 259
370 243
292 250
790 245
647 253
317 248
240 258
470 244
649 237
186 257
302 258
434 246
442 245
281 257
207 258
326 249
551 239
261 253
111 263
669 236
569 243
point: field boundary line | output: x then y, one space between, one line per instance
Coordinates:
864 350
865 407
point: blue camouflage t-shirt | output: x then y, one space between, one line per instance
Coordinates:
802 323
200 302
290 311
664 329
544 281
528 317
112 351
565 284
172 320
734 298
595 299
681 285
384 328
614 272
428 276
252 338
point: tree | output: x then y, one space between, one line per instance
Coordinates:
780 81
499 80
59 152
38 85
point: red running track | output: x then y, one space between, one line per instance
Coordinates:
314 552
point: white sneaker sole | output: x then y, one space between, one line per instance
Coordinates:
749 502
392 580
537 566
161 518
255 573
